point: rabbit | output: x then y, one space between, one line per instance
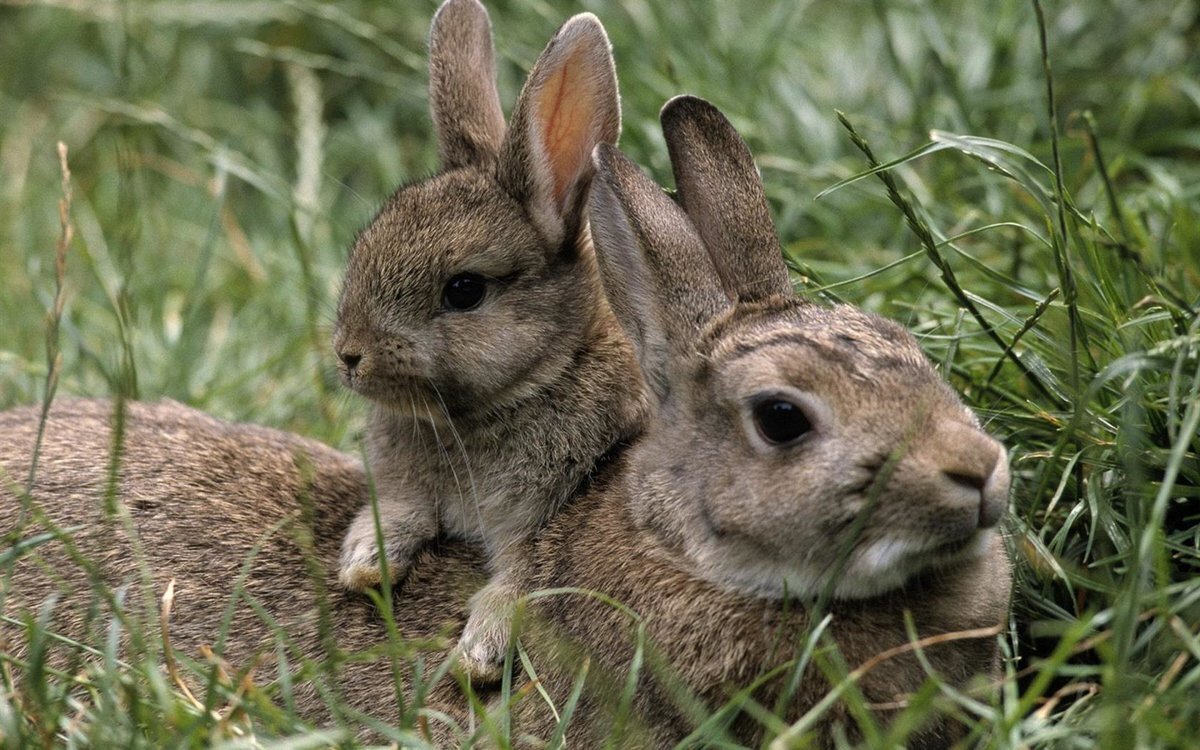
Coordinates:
797 452
472 318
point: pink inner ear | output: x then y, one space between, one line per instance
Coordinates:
567 110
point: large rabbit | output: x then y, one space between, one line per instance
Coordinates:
798 452
473 319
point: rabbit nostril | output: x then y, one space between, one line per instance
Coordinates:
990 502
991 492
350 360
970 481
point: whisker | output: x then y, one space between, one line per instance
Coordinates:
441 448
465 454
418 439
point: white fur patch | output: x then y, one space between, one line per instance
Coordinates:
882 566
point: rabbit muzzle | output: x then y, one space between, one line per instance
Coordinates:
973 478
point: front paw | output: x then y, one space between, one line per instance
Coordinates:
360 566
483 644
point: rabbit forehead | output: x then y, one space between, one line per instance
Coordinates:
805 343
449 223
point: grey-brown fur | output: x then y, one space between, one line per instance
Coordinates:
717 642
485 420
887 504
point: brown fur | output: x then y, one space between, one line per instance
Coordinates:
716 642
887 502
891 474
203 497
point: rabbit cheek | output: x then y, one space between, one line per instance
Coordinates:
483 355
875 568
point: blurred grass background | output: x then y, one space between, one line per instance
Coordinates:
224 152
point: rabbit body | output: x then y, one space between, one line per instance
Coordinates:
472 317
225 509
707 643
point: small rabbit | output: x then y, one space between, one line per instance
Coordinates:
472 318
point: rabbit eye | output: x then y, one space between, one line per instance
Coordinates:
464 292
780 422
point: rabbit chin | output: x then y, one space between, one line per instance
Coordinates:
890 563
877 568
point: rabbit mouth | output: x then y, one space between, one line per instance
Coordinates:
890 563
414 403
968 546
398 389
412 399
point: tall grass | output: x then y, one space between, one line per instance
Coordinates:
1017 182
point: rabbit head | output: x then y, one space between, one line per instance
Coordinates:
798 449
469 288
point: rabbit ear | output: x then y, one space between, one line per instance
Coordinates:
722 193
569 105
462 85
657 275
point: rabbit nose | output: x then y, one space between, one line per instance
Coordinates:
985 486
970 481
991 498
977 472
349 360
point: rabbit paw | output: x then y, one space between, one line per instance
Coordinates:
483 644
360 568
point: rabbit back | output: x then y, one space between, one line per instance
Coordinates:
231 513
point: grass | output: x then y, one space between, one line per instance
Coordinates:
1036 222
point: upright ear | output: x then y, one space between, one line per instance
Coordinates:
657 275
722 193
569 105
467 117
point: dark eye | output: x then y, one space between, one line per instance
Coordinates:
464 292
780 422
